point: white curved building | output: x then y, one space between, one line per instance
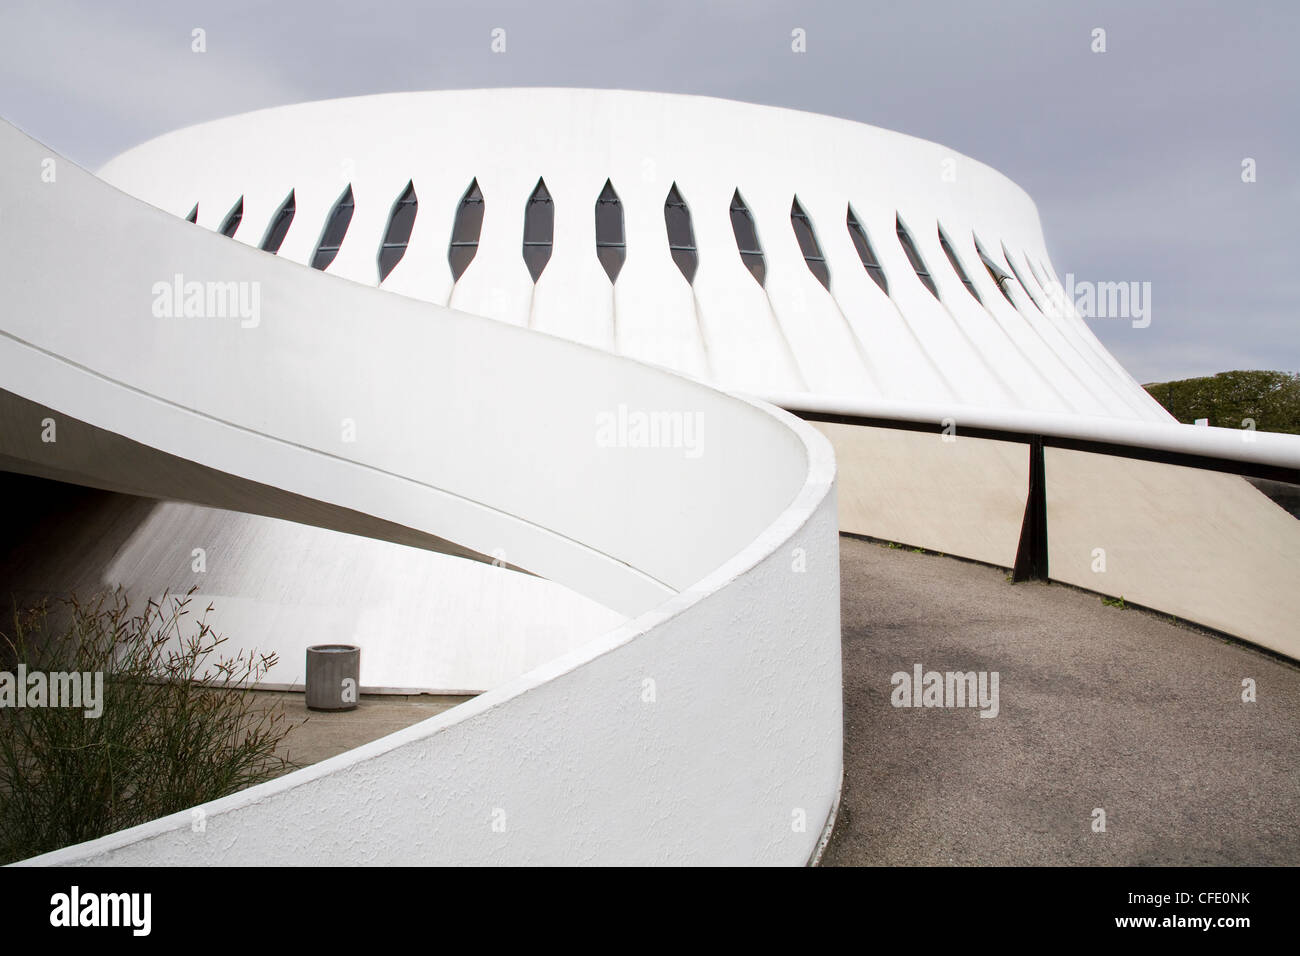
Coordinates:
579 274
884 286
760 249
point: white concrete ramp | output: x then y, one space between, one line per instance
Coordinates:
340 405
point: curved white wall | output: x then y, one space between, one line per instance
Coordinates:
484 435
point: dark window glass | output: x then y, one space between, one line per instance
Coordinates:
233 219
611 246
466 230
996 273
742 225
279 227
336 227
539 230
194 214
400 223
1021 279
812 252
914 257
681 237
866 253
956 266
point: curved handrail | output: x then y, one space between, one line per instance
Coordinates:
1245 447
1152 512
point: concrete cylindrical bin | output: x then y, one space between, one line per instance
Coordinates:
333 676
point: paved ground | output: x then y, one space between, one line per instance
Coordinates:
1100 707
318 735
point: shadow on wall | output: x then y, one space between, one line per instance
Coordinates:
1283 494
88 526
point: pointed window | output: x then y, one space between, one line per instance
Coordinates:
956 266
194 214
400 223
742 225
466 230
812 252
865 252
1021 279
1047 284
681 237
996 273
233 219
539 230
1048 278
1039 274
914 257
336 227
279 227
611 245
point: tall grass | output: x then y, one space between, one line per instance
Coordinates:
180 725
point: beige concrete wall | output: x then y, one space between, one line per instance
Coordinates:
1203 546
964 497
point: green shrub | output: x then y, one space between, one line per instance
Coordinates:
1270 399
179 723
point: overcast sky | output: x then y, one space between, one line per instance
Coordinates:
1134 156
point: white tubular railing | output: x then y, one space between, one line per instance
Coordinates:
1155 513
1243 446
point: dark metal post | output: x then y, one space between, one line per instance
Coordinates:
1031 555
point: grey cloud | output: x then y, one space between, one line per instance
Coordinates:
1133 156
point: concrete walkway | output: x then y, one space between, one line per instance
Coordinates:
319 735
1099 707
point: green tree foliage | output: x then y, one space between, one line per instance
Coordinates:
1272 399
